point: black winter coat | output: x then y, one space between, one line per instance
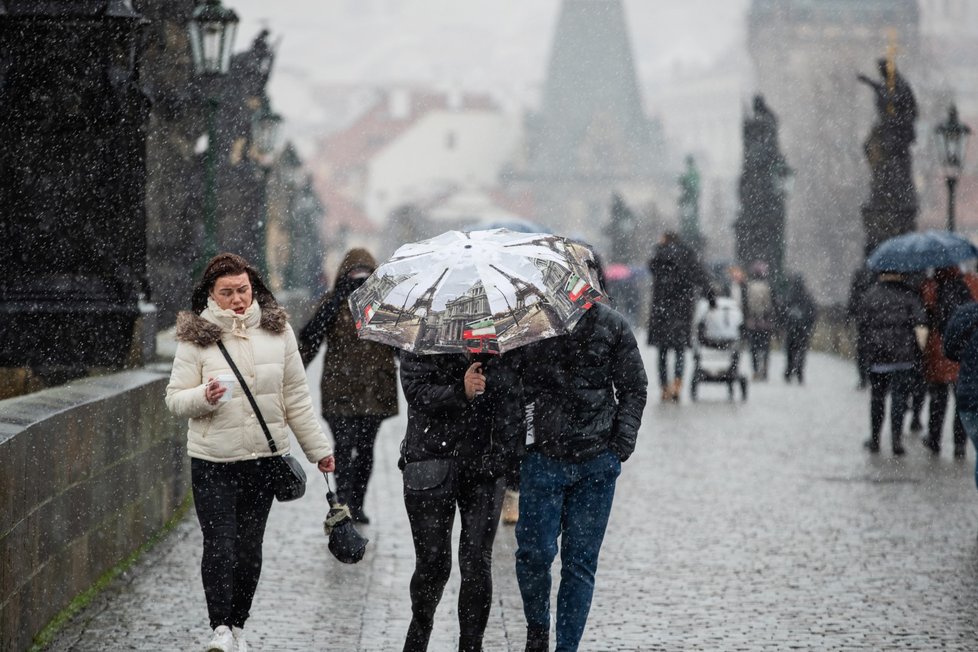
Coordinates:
677 276
961 345
585 392
484 434
888 313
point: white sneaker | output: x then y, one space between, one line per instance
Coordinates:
239 639
223 641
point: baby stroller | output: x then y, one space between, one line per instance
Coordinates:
717 341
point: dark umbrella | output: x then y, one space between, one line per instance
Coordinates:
346 544
917 251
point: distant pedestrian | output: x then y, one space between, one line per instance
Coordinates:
893 321
759 317
677 278
961 345
463 434
359 381
231 458
942 295
798 313
862 279
585 393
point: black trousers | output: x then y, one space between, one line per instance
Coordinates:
354 452
796 348
760 350
938 408
679 363
899 385
431 513
232 500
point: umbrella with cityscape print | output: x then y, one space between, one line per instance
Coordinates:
478 291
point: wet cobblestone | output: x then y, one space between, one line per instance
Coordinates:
737 526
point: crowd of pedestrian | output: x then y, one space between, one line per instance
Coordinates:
553 419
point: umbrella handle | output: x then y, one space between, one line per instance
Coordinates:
331 491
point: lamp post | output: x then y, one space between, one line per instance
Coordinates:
264 141
212 29
952 137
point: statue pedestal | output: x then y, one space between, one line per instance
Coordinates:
884 222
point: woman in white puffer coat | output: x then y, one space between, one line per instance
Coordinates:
230 455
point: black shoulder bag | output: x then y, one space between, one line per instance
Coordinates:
287 477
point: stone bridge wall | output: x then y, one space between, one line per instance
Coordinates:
89 472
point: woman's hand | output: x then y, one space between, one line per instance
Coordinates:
213 391
327 464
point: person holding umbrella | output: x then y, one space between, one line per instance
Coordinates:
894 326
461 305
463 435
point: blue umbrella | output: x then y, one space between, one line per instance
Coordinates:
917 251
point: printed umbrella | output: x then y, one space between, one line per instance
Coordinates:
478 291
917 251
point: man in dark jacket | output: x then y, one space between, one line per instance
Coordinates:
677 277
463 434
584 394
961 345
894 327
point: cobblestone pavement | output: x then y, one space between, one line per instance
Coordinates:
760 525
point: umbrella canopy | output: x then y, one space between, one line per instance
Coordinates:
479 291
913 252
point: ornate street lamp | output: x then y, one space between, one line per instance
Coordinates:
265 127
952 137
212 29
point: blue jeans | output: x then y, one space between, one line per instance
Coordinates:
970 422
570 500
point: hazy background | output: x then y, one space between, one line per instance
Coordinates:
476 45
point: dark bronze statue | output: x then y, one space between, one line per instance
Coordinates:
892 206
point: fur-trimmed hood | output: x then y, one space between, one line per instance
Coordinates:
197 330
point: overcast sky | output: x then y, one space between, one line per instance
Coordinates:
498 45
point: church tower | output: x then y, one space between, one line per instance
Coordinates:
591 137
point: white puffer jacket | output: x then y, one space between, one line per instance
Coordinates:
264 348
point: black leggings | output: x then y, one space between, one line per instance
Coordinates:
898 384
354 438
232 500
432 516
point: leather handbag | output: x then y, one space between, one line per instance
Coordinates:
288 479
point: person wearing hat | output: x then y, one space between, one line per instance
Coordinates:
359 381
893 324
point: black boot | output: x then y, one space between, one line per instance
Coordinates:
898 448
537 640
469 643
417 637
872 444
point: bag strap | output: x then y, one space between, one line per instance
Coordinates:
251 399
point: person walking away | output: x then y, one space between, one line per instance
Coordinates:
942 295
463 435
231 459
798 317
893 321
759 318
584 394
677 278
359 381
862 280
961 346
